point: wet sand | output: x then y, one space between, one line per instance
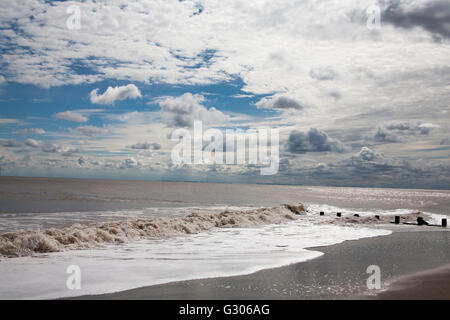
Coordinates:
432 284
339 274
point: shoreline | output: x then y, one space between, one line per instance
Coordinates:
340 273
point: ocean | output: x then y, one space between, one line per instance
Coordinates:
130 234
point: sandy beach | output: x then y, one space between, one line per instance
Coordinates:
339 274
433 284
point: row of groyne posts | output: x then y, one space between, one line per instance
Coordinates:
420 220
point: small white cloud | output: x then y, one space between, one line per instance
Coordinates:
70 116
130 163
367 154
7 121
90 130
426 127
146 146
31 131
33 143
242 96
80 143
113 94
67 152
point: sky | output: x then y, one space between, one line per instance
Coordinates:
356 102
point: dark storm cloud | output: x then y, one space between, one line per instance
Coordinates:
312 141
433 17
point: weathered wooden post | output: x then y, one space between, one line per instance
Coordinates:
421 221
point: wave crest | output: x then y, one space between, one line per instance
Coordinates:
78 236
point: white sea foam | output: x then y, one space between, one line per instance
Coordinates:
216 252
134 253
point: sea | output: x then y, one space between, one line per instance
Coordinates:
115 235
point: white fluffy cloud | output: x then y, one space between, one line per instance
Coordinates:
72 116
183 110
367 154
113 94
130 163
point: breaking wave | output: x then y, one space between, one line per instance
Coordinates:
85 236
26 243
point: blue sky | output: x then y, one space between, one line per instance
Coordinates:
355 106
